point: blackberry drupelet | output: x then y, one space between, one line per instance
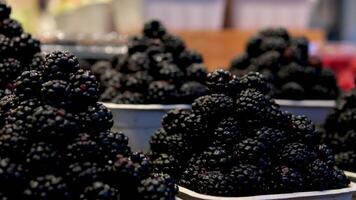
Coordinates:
157 186
214 105
28 84
9 69
12 178
100 190
319 175
304 129
158 140
137 82
13 142
196 128
38 62
84 88
189 177
59 65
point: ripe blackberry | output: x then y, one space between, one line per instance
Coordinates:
275 32
253 46
288 180
346 160
302 44
270 60
5 46
136 62
9 69
109 94
170 72
292 72
12 178
83 148
55 93
144 162
173 121
196 128
240 62
251 151
256 81
111 78
25 46
247 180
84 87
154 29
192 90
214 105
158 186
11 28
5 10
161 92
100 190
59 64
221 81
100 67
272 138
138 82
158 141
304 129
8 102
319 175
96 118
325 154
215 158
273 44
113 143
176 145
340 180
167 164
215 183
28 84
296 154
48 187
189 177
228 131
129 98
197 72
173 43
292 90
137 44
37 62
253 104
188 57
323 92
13 142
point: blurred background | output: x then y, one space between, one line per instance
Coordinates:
218 29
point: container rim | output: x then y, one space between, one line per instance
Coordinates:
306 103
147 106
186 192
350 174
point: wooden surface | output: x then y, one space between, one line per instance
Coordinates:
219 47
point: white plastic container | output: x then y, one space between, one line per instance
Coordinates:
339 194
255 14
186 14
351 175
139 122
316 110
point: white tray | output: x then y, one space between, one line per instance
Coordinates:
316 110
339 194
139 122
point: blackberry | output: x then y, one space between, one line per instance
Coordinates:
25 46
240 62
214 105
136 62
129 98
9 69
292 90
275 32
215 183
167 164
47 187
192 90
346 160
170 72
111 78
189 177
296 154
5 46
273 138
173 43
247 180
144 162
255 80
325 154
158 186
96 118
288 180
83 148
8 102
37 62
290 73
161 92
269 60
228 131
253 104
13 142
197 72
158 141
154 29
100 190
12 178
222 81
215 158
173 121
137 44
109 94
322 92
55 93
319 175
5 10
177 146
188 57
253 46
28 84
302 43
273 44
304 129
84 87
113 143
138 82
251 151
100 67
59 65
340 179
11 28
196 128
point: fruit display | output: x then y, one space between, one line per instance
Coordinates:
340 130
236 141
56 142
285 61
18 50
157 69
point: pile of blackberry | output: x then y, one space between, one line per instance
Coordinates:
236 141
56 142
340 131
157 69
285 61
18 50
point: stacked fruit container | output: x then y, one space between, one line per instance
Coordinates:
72 133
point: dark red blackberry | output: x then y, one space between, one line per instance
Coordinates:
273 138
83 148
247 180
37 62
197 72
137 82
251 151
11 28
221 81
5 10
5 47
173 121
154 29
12 178
28 84
292 90
228 131
59 64
296 154
212 106
84 87
158 186
56 93
173 43
100 190
129 98
25 46
288 180
48 187
192 90
96 118
255 80
188 57
161 92
170 72
167 164
113 143
215 183
325 154
240 62
9 69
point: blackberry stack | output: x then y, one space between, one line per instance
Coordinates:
56 142
237 142
340 131
286 62
157 69
18 50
